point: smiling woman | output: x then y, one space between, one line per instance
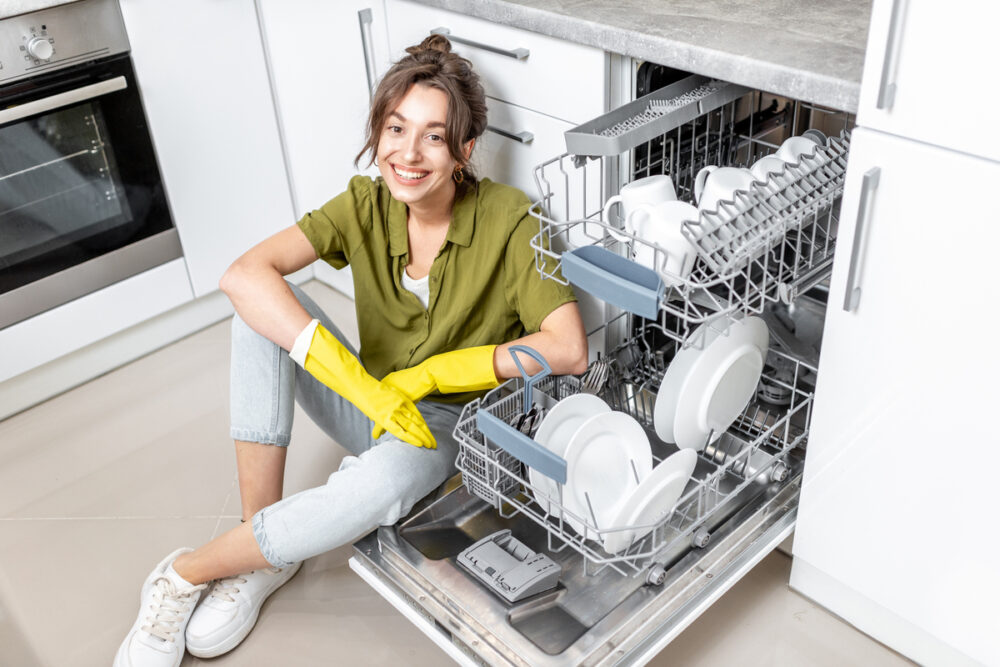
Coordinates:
445 283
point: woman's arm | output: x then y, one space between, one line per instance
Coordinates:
561 339
255 283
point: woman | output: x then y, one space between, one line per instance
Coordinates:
445 282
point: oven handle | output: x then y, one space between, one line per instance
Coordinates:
63 99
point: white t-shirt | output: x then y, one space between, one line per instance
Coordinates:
420 287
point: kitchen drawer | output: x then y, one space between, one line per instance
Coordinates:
519 141
927 74
557 78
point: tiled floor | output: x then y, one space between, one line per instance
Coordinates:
98 484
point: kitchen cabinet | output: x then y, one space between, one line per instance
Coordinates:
204 81
321 86
927 74
548 75
897 495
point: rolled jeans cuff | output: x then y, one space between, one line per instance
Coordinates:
260 437
266 549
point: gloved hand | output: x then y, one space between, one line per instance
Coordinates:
332 364
470 369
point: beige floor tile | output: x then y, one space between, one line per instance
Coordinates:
71 587
761 623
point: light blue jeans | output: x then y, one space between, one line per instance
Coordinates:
376 486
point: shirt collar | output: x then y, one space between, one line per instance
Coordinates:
463 221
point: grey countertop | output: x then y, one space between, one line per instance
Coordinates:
812 50
14 7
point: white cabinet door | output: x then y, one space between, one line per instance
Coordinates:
930 73
317 54
556 77
203 80
897 528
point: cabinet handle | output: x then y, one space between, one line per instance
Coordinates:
868 186
522 137
886 87
367 46
517 54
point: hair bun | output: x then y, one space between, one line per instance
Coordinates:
437 43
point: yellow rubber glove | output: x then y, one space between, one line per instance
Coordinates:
470 369
332 364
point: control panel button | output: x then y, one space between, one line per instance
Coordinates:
40 48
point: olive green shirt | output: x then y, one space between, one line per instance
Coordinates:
484 287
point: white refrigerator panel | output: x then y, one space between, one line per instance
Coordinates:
899 496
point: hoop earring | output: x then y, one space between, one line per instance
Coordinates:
458 174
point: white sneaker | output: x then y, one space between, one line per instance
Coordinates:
229 611
165 605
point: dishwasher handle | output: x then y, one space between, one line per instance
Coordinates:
521 447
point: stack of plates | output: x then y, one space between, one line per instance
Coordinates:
706 388
611 482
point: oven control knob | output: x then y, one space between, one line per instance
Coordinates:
40 48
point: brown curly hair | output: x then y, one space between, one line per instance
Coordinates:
431 63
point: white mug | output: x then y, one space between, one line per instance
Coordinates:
795 148
648 190
715 184
661 224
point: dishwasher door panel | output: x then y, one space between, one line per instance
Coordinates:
589 619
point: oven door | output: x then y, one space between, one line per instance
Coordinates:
82 204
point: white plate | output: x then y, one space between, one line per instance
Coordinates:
665 408
652 500
720 383
599 462
555 432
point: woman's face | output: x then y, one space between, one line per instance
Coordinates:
413 155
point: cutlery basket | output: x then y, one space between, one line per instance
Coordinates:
752 453
769 244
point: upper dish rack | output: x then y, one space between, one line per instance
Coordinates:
769 244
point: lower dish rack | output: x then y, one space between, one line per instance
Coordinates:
494 457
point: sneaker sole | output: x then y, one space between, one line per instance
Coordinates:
234 640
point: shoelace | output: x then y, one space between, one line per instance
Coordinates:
225 589
168 608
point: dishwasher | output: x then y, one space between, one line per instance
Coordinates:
767 253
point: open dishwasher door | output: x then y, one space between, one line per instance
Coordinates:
765 254
603 619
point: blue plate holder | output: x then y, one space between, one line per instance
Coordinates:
512 441
614 279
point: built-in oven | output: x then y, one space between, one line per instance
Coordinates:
82 203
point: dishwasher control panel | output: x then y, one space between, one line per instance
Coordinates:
509 568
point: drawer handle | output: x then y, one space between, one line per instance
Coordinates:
886 87
367 48
523 137
516 54
868 187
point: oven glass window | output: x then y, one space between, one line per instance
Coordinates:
76 181
59 185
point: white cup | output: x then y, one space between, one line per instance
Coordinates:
716 184
795 148
644 191
661 224
767 165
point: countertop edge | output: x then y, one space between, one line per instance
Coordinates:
772 77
